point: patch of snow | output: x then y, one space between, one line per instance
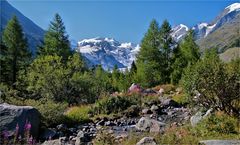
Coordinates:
233 7
209 29
126 45
179 32
184 26
202 25
92 40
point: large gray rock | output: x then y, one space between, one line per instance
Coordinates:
52 142
82 138
165 102
195 119
12 115
220 142
147 141
150 125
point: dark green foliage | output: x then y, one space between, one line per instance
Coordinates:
56 40
133 68
115 77
14 51
110 105
154 58
102 81
217 123
187 53
166 50
215 81
149 57
4 72
48 77
51 112
189 48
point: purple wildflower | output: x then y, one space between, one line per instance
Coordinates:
17 127
30 140
27 125
5 134
16 133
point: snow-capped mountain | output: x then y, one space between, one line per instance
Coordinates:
108 52
33 32
202 30
179 32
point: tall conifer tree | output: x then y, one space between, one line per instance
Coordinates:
148 59
16 54
56 40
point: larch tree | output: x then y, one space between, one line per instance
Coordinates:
166 47
149 57
56 40
16 53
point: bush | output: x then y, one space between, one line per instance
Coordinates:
219 123
9 95
52 113
113 104
217 84
181 98
78 114
49 78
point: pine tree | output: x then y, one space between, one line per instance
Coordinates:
56 40
4 76
133 68
17 54
149 57
190 49
166 49
186 54
115 77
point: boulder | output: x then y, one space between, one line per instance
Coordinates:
146 111
150 125
168 102
149 91
82 138
219 142
161 92
23 116
62 127
135 88
195 119
154 108
52 142
147 141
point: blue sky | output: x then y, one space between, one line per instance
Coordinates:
123 20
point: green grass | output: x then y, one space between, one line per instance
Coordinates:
78 114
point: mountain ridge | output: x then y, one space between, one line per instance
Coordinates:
32 31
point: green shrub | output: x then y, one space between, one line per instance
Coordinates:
181 98
217 82
113 104
78 114
10 96
52 113
219 123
